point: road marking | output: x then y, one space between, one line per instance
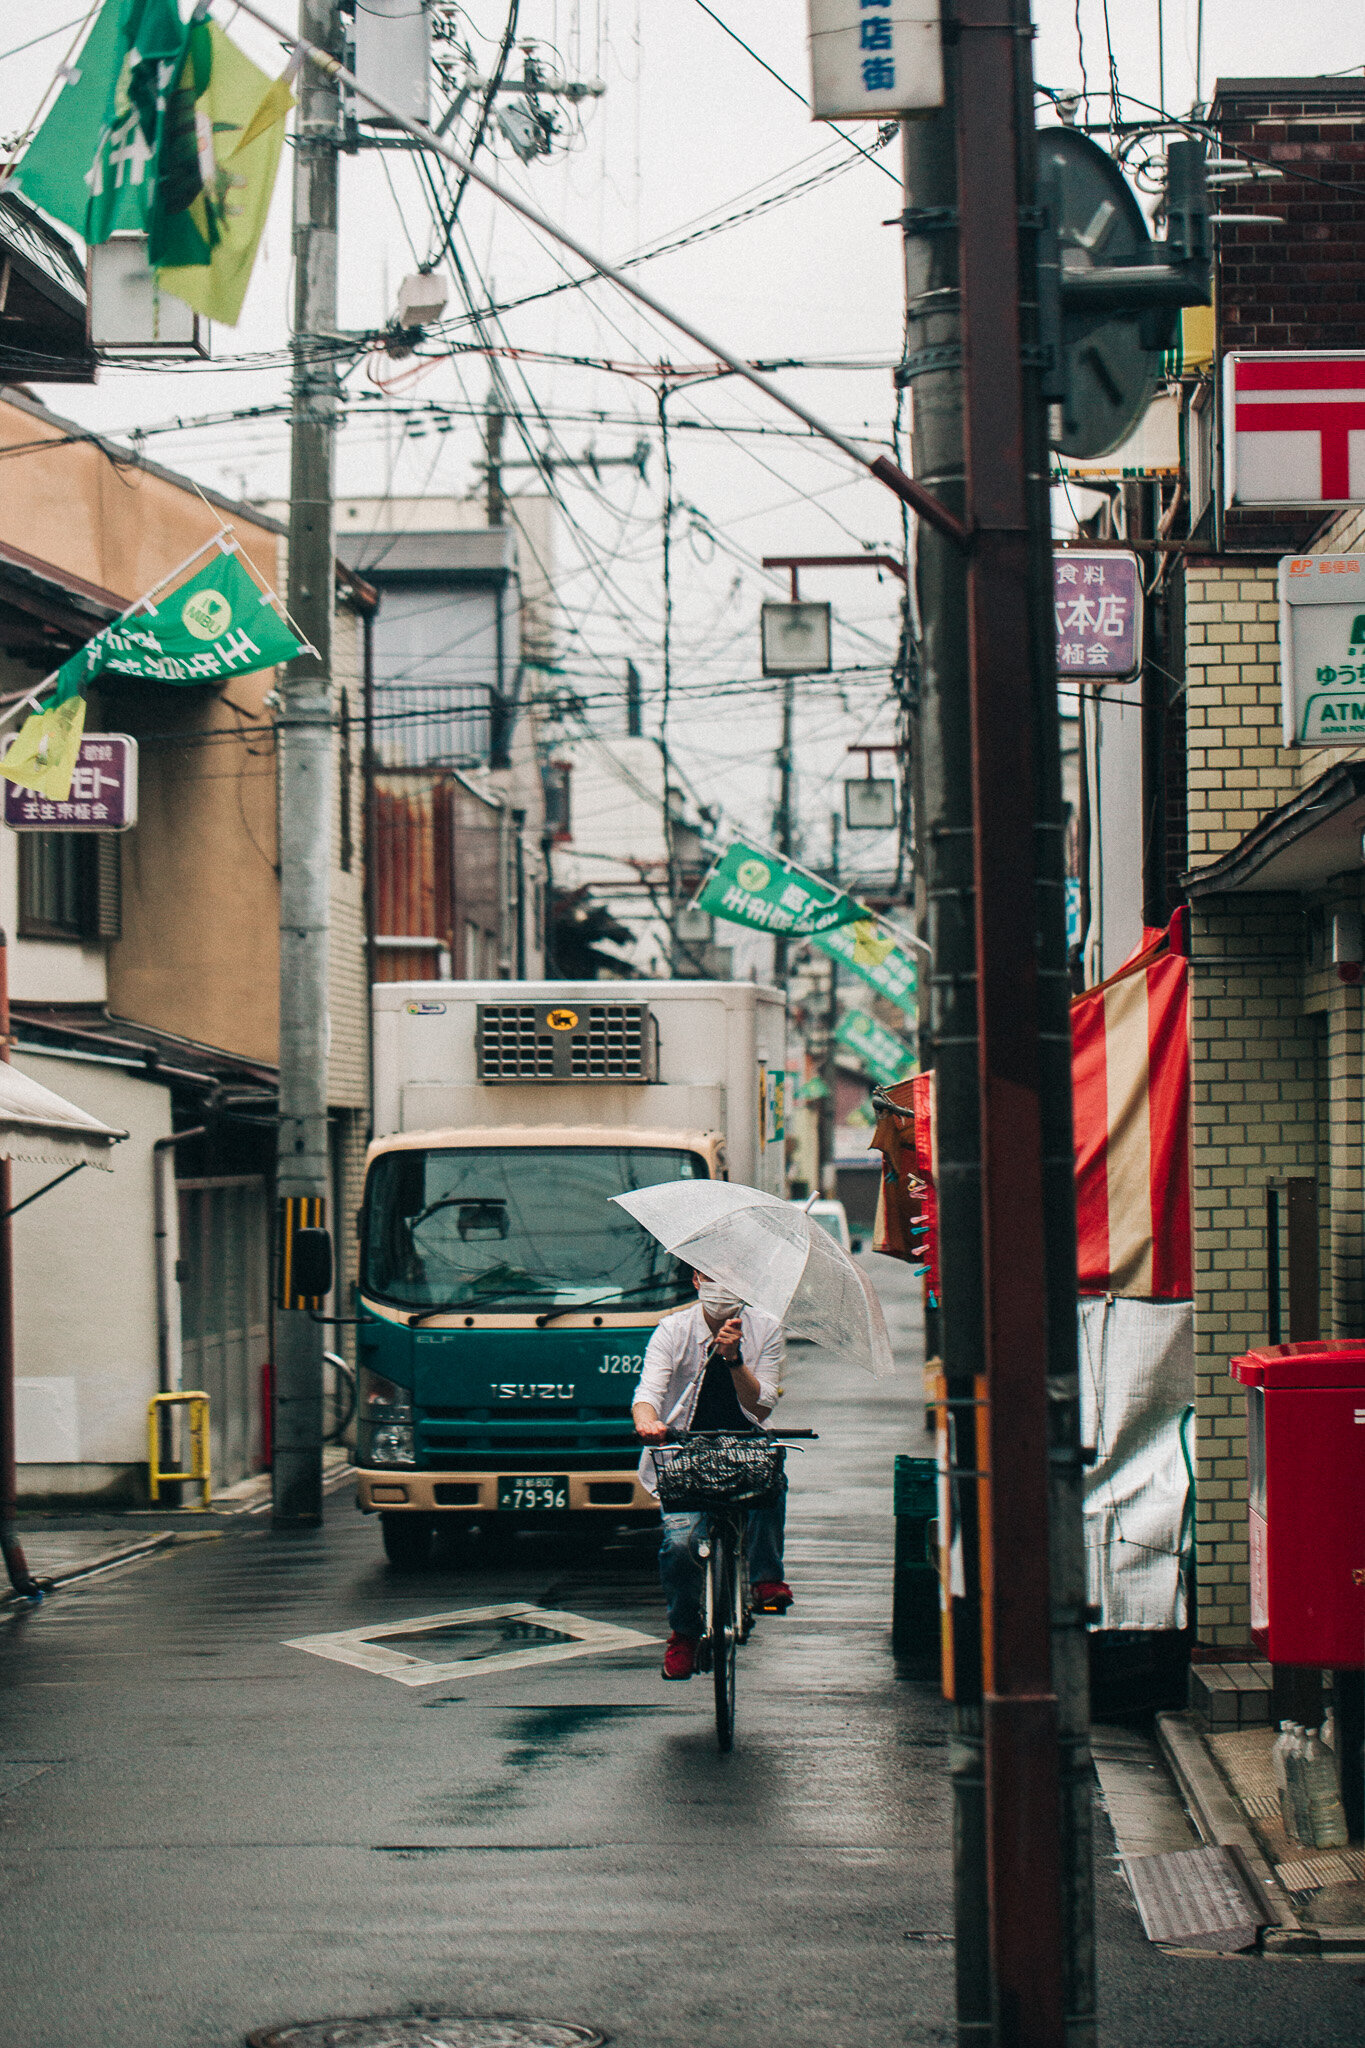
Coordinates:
375 1648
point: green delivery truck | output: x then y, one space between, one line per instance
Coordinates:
504 1302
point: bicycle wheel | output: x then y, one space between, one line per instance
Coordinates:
725 1624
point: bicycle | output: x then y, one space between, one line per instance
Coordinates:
724 1476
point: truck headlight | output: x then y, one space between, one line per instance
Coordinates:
385 1433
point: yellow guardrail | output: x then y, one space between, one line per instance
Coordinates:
198 1473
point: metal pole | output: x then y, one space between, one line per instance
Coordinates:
495 420
16 1564
1037 1821
305 759
783 822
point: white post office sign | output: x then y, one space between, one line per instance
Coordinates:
874 58
1322 649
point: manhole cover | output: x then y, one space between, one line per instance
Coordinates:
448 2030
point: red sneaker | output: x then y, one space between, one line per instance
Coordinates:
680 1656
772 1596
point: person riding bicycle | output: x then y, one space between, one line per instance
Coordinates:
717 1365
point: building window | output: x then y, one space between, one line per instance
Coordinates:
69 886
558 817
344 792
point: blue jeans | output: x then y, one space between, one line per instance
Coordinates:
680 1569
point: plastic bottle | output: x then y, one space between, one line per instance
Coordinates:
1326 1815
1279 1758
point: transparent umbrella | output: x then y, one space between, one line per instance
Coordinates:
774 1257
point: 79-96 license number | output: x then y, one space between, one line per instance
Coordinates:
533 1490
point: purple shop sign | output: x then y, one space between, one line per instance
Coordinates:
1099 614
103 792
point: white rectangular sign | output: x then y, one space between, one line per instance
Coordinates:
1294 428
873 58
1322 649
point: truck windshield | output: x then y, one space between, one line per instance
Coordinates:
519 1228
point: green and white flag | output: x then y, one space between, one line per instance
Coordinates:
769 894
92 165
218 624
868 950
880 1053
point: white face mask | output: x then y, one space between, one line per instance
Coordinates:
717 1300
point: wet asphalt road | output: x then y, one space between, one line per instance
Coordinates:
203 1830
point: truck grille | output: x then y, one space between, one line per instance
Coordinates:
567 1042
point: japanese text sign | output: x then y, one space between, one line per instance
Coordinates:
878 1051
1322 649
1294 429
1098 599
768 894
870 58
103 792
873 955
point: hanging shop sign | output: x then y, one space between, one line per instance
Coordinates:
796 638
1098 600
870 58
103 794
878 1051
1322 649
1294 428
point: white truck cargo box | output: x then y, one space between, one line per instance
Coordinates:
672 1055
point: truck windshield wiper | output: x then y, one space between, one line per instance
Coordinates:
578 1308
449 1308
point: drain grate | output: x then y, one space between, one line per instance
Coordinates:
428 2030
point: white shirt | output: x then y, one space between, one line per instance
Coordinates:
675 1364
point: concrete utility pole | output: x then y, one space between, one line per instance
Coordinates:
989 771
305 758
829 1069
782 823
494 421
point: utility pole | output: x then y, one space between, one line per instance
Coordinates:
494 420
827 1118
305 759
989 772
782 824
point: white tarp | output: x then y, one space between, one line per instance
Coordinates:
36 1124
1137 1390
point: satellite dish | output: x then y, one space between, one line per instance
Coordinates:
1111 359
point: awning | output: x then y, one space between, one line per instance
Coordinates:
36 1124
1300 846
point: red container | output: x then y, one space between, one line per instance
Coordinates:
1306 1501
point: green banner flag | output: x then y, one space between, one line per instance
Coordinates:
53 171
881 1054
121 170
218 624
225 134
870 952
769 894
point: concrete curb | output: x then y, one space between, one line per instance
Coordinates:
118 1553
1220 1820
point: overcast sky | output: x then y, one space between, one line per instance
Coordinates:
689 131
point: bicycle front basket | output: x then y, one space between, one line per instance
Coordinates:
720 1472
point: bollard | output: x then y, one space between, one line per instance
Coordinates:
916 1627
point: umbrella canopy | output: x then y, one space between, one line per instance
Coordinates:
36 1124
774 1256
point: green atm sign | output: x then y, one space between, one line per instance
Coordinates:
1322 649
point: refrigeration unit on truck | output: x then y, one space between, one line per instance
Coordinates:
504 1301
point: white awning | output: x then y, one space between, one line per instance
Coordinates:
36 1124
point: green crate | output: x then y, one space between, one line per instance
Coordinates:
914 1486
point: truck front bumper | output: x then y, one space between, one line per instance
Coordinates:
474 1493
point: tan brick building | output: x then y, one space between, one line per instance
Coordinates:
1273 842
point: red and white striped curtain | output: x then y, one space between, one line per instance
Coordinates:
1131 1090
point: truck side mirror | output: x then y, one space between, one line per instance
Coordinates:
312 1264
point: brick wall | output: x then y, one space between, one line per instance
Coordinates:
1300 282
1236 769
